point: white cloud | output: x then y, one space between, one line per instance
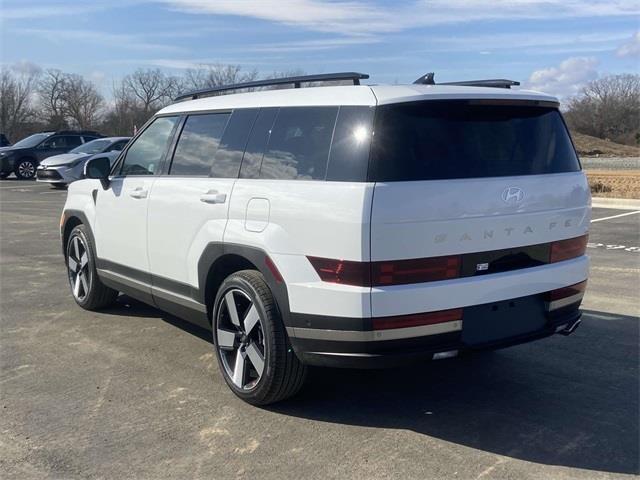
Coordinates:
630 48
566 79
355 17
25 67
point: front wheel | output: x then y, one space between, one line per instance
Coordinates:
253 350
87 289
25 169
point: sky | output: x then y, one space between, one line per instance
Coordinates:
555 46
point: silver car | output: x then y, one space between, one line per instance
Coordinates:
60 170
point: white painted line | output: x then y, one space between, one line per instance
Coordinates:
615 216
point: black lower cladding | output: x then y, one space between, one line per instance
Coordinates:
491 325
48 175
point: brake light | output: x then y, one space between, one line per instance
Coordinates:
418 270
570 248
417 319
342 271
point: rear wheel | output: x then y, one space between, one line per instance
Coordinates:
25 169
87 289
253 350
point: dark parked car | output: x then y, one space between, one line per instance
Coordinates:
4 141
24 157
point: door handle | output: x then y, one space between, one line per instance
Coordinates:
212 196
138 193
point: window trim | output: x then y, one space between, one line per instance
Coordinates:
116 170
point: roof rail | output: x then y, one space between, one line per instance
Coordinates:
295 81
493 83
78 132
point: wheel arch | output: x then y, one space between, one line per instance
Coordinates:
219 260
71 219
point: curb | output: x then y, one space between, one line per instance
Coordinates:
616 203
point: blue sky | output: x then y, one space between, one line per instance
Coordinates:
551 45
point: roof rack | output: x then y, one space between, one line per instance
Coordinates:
295 81
493 83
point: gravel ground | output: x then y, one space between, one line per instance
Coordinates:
610 163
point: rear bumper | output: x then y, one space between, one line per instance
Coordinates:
363 348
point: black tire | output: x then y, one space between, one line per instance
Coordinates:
25 169
58 186
283 374
87 289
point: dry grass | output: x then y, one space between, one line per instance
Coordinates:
617 184
592 146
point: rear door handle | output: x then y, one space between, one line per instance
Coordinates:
212 196
138 193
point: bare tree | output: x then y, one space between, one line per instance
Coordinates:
215 75
608 108
82 101
16 95
151 89
52 88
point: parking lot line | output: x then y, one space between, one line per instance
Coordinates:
614 216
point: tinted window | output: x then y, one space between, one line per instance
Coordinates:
299 143
32 140
72 141
56 143
147 151
198 144
94 146
349 157
440 140
257 143
226 163
117 146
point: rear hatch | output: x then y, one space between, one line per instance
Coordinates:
497 181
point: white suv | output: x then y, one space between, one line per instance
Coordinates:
355 226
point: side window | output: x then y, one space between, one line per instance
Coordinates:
349 157
55 143
146 153
227 160
72 141
198 144
299 143
257 143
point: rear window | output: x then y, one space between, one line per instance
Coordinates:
435 140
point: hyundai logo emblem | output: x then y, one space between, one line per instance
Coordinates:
512 195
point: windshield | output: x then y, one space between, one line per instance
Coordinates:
435 140
32 140
94 146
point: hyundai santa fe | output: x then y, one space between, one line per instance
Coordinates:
348 226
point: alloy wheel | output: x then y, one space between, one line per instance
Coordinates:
26 169
240 339
77 267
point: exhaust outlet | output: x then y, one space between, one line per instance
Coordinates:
570 328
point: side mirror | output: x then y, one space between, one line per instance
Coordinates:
99 168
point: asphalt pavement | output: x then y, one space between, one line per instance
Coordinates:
132 392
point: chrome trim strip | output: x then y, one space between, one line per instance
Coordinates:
158 292
374 335
563 302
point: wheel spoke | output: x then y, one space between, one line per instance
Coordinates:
251 319
72 264
256 358
226 339
76 286
238 369
231 307
85 284
84 259
76 247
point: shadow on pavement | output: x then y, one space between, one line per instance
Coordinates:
568 401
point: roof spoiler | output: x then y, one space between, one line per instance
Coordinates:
428 79
355 77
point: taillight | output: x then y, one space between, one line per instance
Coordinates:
417 319
342 271
378 274
420 270
570 248
564 296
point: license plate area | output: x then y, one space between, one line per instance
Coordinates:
502 320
